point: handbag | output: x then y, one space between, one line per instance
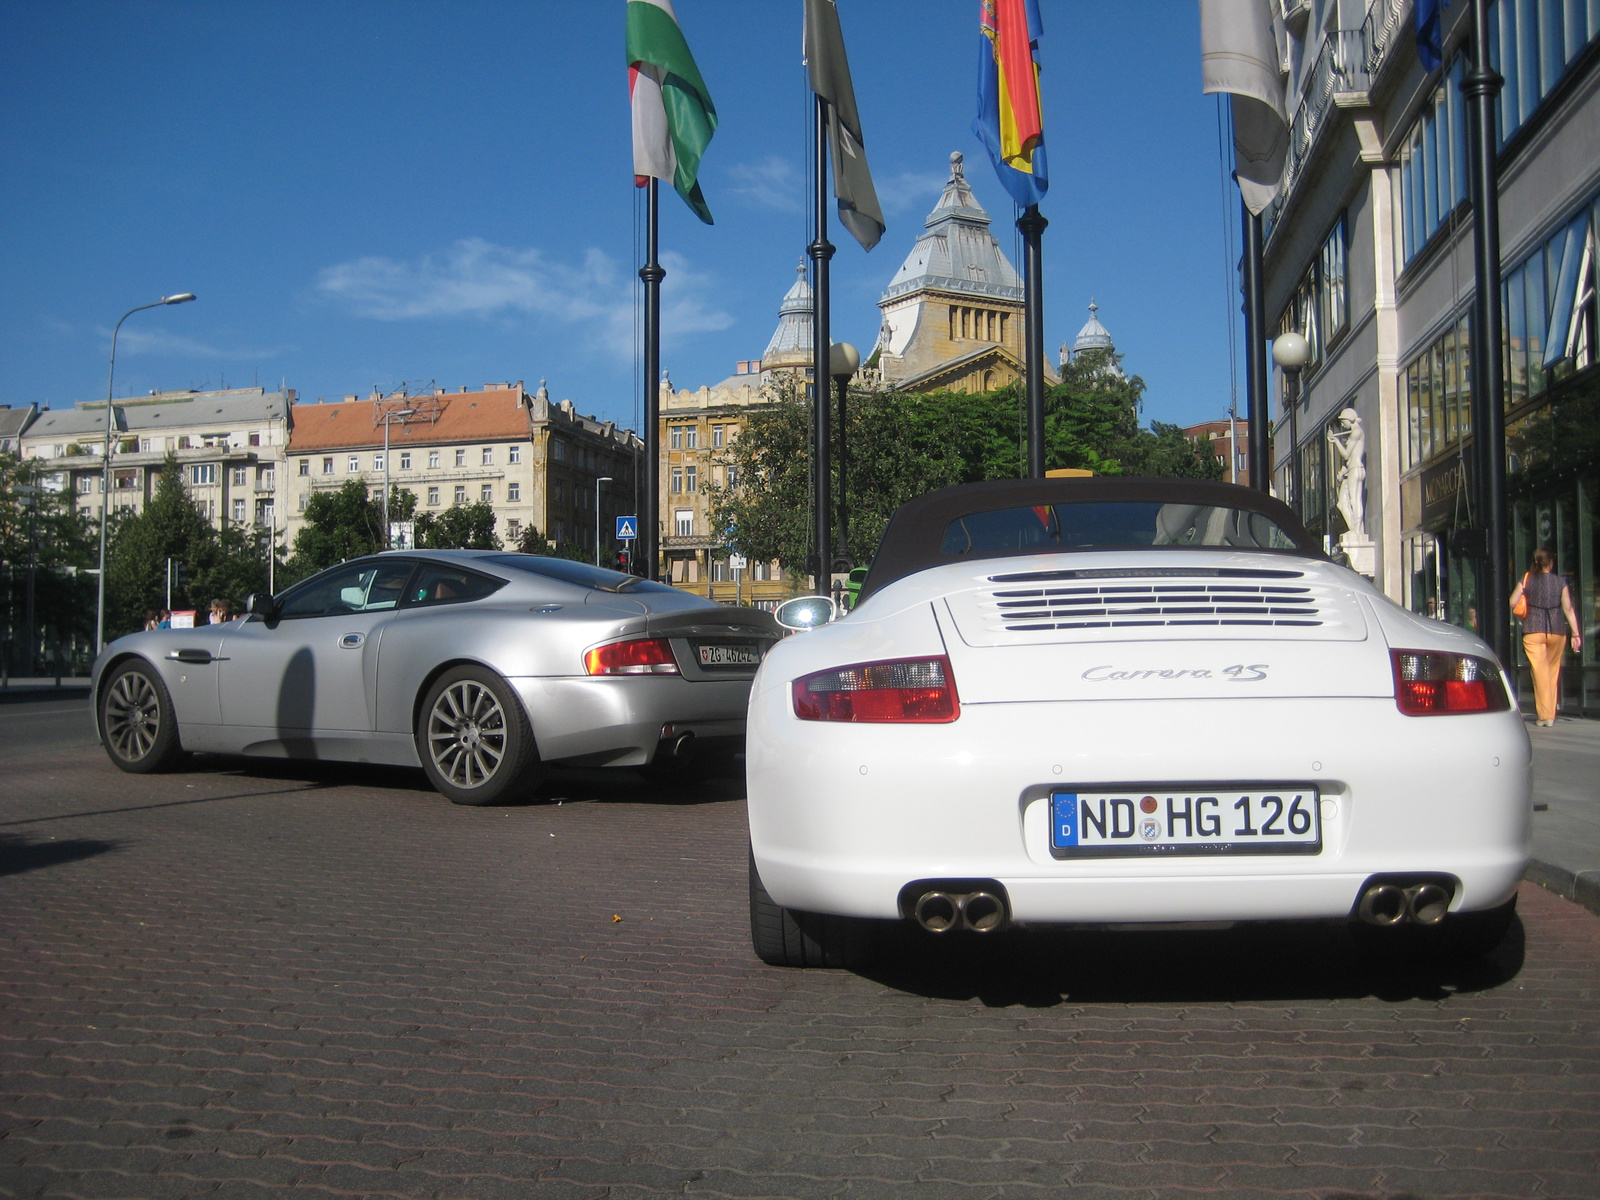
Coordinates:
1520 608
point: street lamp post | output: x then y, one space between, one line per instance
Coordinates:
598 481
388 419
843 359
1291 352
105 463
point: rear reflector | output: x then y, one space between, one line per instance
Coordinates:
1429 685
911 691
642 656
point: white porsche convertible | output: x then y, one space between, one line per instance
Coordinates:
1125 702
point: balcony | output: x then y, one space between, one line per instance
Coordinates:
1385 20
1338 78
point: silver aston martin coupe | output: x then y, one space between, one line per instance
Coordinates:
480 667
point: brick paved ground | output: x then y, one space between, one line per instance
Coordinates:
235 982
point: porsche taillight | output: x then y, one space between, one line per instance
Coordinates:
1428 684
907 691
640 656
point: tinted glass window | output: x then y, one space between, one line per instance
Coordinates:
358 587
1113 524
581 574
446 583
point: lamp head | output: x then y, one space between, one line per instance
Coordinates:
843 359
180 298
1291 351
604 479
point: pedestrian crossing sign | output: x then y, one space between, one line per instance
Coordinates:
627 528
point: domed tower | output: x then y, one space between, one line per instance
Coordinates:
790 347
1093 336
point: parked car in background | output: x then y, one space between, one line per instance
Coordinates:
1125 701
480 667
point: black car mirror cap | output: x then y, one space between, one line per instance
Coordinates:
260 604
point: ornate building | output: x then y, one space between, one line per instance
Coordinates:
953 313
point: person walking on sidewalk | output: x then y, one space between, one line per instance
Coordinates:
1548 619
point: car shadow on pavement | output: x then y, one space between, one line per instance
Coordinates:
1046 967
19 853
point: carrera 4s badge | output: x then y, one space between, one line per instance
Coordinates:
1238 673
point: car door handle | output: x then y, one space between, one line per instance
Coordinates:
352 641
193 656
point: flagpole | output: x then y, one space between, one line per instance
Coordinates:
1255 359
821 250
1032 226
652 274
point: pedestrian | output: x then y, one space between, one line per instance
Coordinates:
164 619
221 611
1547 619
152 619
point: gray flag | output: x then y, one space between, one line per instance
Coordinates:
829 71
1239 55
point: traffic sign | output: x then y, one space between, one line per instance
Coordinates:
627 528
738 562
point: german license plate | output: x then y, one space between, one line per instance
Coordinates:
1197 821
729 654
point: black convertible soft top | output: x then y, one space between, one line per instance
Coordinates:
915 537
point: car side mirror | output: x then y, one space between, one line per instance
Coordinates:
806 612
259 604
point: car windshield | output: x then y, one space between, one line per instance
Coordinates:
581 574
1111 525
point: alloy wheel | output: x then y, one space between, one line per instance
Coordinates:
133 716
467 734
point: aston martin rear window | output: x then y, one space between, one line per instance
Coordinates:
1111 525
581 574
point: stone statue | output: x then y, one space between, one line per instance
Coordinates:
1350 440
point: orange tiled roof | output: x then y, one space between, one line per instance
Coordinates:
466 417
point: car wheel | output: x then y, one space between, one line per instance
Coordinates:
785 938
474 739
137 720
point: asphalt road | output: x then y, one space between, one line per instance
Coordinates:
248 980
35 721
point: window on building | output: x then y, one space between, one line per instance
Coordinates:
683 522
254 439
202 474
377 462
146 445
327 466
1532 43
377 497
305 466
266 513
85 484
1548 316
353 464
514 454
691 479
691 437
461 493
733 475
183 442
405 460
266 477
488 456
1433 164
716 436
433 495
513 492
123 480
513 531
433 459
236 476
461 458
486 493
238 512
677 479
558 450
1436 399
719 570
305 498
1319 309
675 437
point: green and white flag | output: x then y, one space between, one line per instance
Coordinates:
673 117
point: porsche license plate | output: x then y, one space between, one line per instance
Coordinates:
1214 820
729 654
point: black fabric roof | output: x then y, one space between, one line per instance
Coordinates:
915 533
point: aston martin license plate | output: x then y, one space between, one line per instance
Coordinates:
729 654
1214 820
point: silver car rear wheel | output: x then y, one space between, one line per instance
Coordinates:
473 738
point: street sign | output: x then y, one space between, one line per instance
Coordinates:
402 535
737 562
627 528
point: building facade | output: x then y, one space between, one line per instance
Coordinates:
538 463
1369 254
229 445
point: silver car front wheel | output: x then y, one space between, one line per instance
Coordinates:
137 721
473 738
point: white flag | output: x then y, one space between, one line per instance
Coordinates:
1239 55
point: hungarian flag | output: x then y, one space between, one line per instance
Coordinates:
673 117
1010 121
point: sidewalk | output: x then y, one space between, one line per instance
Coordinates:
1566 810
28 687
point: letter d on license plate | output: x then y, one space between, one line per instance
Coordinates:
1210 819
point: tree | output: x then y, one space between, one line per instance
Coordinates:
345 523
43 527
139 545
459 527
531 541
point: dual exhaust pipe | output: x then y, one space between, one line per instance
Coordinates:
1388 903
980 911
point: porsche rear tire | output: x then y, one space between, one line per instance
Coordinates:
1472 935
474 739
137 720
783 937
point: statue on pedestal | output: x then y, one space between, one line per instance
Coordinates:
1349 441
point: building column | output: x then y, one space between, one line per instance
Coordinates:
1386 325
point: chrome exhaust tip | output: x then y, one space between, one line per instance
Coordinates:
1383 904
983 912
937 912
1427 903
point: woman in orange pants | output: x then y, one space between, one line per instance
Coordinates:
1544 630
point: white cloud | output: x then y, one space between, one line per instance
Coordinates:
771 182
476 278
155 340
908 189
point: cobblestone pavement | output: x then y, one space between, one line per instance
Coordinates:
238 981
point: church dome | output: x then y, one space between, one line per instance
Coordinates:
1093 335
791 341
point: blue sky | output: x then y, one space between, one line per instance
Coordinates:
365 193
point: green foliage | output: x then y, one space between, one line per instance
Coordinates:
344 523
62 544
531 541
901 446
459 527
